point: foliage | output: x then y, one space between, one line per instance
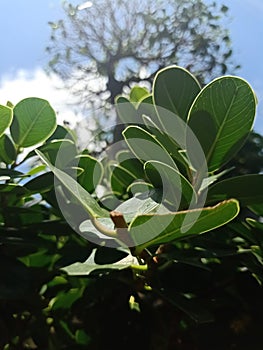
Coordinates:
166 258
111 45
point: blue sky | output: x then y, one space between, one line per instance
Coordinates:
24 34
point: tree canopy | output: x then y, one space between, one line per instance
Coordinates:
103 49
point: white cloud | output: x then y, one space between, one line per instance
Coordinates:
23 84
85 5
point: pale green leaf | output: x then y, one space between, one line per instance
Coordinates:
34 121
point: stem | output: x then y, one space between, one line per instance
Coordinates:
121 228
103 229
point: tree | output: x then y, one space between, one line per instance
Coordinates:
101 50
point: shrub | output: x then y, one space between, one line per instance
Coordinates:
170 251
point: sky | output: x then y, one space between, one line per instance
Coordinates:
24 34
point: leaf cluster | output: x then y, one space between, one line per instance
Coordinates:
172 245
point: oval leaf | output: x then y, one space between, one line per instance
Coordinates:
145 146
226 107
126 111
151 229
177 190
6 115
247 189
175 89
34 121
92 174
80 195
137 93
7 150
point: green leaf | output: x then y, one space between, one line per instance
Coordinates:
255 224
82 337
169 143
134 166
59 152
145 146
139 187
14 189
89 232
41 183
34 121
64 300
89 266
147 108
61 133
40 258
257 208
120 178
6 115
176 188
137 93
92 174
7 150
11 173
80 195
140 204
221 118
127 111
152 229
175 89
247 189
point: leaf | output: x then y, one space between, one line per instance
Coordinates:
152 229
34 121
61 133
80 195
122 175
7 150
247 189
140 204
211 179
145 146
221 117
137 93
91 233
133 166
92 174
120 178
82 337
257 208
59 152
147 108
89 266
6 115
255 224
41 183
175 89
170 145
11 173
139 187
127 111
14 189
64 300
176 188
